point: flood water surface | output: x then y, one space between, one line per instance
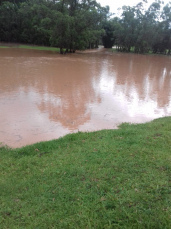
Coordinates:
44 95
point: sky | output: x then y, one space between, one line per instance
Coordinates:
114 4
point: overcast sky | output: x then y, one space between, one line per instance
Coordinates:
115 4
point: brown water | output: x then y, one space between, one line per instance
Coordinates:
44 95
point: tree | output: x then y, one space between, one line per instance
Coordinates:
8 22
140 29
78 24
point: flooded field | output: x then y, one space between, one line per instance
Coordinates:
44 95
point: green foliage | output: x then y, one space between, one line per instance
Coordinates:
109 37
76 24
66 24
105 179
38 48
8 22
145 30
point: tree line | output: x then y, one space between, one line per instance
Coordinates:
141 30
80 24
68 24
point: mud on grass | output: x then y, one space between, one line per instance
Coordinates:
106 179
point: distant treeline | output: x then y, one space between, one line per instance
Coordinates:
141 30
80 24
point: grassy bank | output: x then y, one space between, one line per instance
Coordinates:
106 179
39 48
4 47
32 47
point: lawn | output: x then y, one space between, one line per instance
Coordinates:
105 179
33 47
39 48
4 47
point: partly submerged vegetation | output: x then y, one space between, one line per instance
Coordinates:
106 179
140 29
67 24
77 25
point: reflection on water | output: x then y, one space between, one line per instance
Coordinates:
45 95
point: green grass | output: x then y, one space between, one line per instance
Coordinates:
34 47
106 179
4 47
39 48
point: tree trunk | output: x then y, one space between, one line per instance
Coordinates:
61 50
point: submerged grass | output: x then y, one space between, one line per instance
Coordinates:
106 179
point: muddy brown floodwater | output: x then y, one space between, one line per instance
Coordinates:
44 95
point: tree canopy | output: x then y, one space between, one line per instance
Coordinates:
69 24
141 30
81 24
